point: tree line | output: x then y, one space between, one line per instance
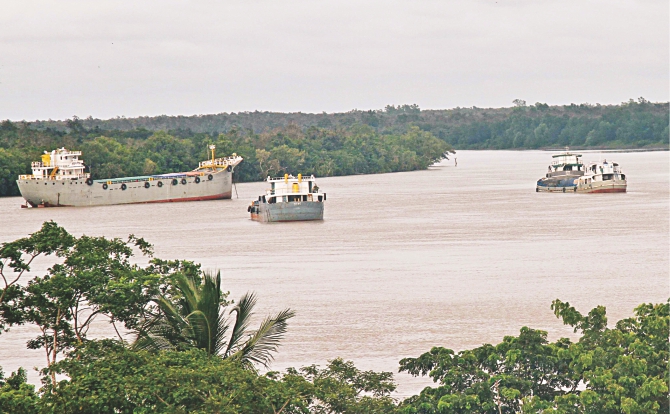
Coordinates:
358 149
631 124
192 349
396 138
635 123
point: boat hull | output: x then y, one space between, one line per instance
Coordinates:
76 193
289 211
558 183
563 189
612 186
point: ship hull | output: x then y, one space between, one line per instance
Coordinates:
558 183
289 211
613 186
156 189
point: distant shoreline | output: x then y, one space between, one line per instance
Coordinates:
610 150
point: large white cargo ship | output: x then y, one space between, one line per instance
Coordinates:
59 180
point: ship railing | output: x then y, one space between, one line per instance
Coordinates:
66 152
283 193
221 162
56 177
282 178
148 178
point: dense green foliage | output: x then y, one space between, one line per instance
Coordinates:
115 153
16 395
398 138
189 358
622 369
196 318
631 124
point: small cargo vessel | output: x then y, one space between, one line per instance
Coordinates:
602 177
59 180
564 170
289 199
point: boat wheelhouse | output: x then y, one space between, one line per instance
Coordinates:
59 164
289 199
564 169
60 180
602 177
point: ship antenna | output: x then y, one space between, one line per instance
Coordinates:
212 148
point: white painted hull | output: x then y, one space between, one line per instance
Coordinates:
610 186
76 193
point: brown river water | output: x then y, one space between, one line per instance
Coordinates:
450 256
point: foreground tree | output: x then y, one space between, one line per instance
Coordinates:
623 369
16 395
106 377
341 388
94 277
16 259
194 316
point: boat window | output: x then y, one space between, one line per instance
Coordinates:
623 176
607 177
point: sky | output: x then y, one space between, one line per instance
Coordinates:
144 58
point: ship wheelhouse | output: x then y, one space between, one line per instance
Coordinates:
59 164
289 189
566 164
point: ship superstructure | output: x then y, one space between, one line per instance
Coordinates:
602 177
564 169
59 180
289 199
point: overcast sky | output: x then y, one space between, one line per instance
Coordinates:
131 58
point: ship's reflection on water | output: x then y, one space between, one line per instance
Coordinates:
452 256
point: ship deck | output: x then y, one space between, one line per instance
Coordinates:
141 178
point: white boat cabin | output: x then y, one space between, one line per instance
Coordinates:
59 164
290 189
565 161
602 171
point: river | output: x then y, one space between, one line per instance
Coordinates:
453 256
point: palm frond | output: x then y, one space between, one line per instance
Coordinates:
243 313
189 289
262 343
195 318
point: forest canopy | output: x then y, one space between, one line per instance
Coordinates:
396 138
